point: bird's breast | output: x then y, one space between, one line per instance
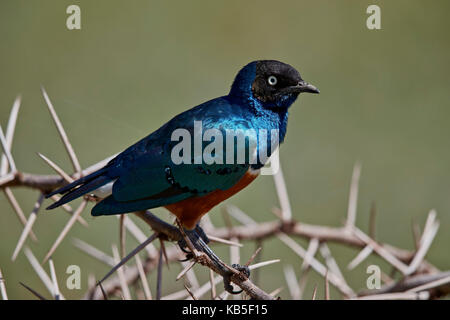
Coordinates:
190 211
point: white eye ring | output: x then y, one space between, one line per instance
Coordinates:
272 80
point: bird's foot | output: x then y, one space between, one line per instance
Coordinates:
199 240
194 236
244 270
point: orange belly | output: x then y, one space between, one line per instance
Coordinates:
190 211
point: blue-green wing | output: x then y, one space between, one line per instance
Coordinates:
148 178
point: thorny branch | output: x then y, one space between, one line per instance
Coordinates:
420 279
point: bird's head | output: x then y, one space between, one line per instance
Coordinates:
270 83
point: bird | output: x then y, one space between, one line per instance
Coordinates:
145 175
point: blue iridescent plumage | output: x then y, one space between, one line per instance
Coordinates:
144 175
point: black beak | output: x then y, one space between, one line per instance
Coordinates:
303 86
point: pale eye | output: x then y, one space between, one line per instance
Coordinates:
272 80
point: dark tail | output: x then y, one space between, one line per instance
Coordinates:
80 187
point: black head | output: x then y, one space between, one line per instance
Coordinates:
276 81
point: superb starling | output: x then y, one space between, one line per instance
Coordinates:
149 174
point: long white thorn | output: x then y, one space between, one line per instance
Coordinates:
282 193
66 229
56 292
7 152
9 135
2 286
40 271
353 197
27 229
123 282
62 133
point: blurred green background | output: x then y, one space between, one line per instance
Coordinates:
135 64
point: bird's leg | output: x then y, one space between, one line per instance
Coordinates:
227 278
199 240
194 235
201 233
